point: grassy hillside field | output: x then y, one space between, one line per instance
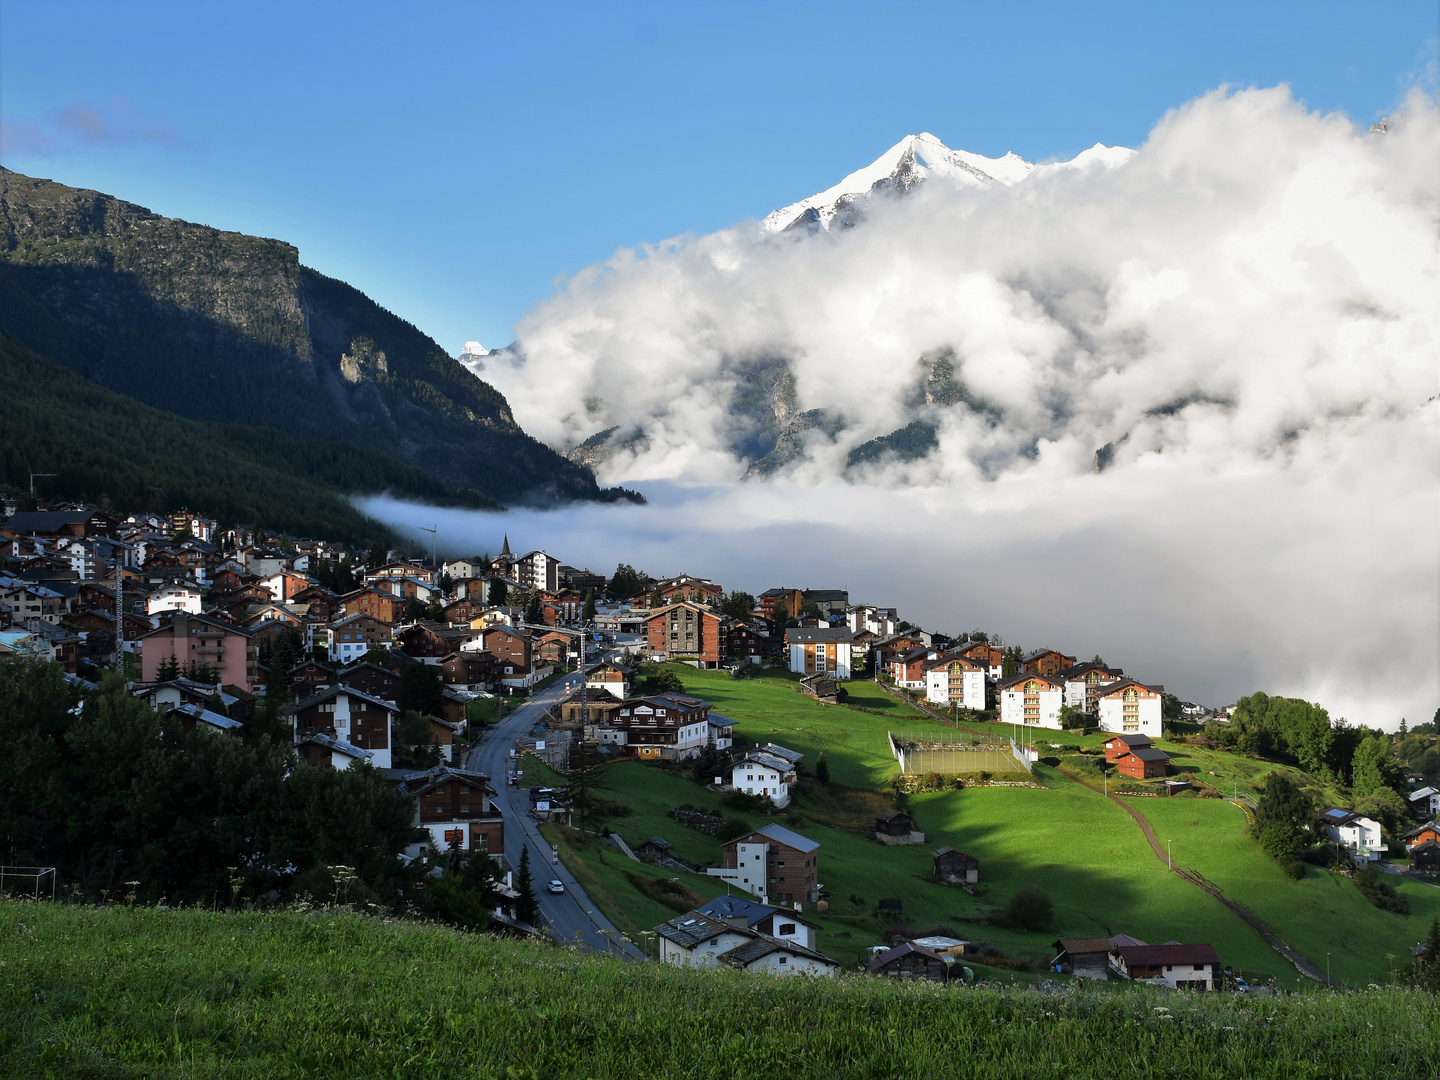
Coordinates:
138 992
1087 853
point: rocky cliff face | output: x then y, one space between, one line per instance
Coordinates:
221 326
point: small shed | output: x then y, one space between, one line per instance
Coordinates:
897 827
955 867
907 961
1085 958
1425 857
654 850
894 823
1117 746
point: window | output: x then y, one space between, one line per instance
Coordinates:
787 928
784 959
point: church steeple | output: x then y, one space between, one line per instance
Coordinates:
505 551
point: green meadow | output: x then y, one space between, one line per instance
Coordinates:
1084 851
117 992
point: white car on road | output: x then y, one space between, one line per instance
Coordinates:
556 886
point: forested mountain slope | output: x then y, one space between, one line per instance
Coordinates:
223 327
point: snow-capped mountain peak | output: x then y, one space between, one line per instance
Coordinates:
910 162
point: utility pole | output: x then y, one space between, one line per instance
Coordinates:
119 617
33 475
1169 863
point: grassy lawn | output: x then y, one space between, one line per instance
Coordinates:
1086 853
772 709
1323 913
138 992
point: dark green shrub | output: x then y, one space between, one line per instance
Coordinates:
1029 909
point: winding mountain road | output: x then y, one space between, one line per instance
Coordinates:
571 917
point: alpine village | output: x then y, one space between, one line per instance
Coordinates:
783 783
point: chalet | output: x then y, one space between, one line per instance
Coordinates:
766 775
200 640
469 670
820 651
321 604
654 850
781 604
399 571
582 581
956 680
1130 707
828 601
594 711
311 673
722 730
822 688
371 679
668 726
266 562
346 715
511 650
31 600
990 657
688 632
194 717
1180 967
463 568
1046 662
381 606
773 922
908 961
772 956
1355 833
1426 801
53 524
462 612
428 641
164 696
1143 763
745 641
1085 958
610 678
1418 835
555 647
455 708
1084 682
347 640
1117 746
955 867
686 587
908 666
1425 857
893 827
327 752
456 807
284 586
774 864
696 940
1031 700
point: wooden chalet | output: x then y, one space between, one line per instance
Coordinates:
955 867
909 961
654 850
371 679
1085 958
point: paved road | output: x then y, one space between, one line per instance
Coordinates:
570 916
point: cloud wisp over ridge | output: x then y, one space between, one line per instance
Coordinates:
1237 326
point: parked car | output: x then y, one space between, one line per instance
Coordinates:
556 886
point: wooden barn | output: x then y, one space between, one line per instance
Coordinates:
1085 958
907 961
897 827
1425 857
654 850
955 867
1143 764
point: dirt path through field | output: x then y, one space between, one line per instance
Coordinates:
1309 970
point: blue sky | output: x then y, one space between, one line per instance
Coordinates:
453 159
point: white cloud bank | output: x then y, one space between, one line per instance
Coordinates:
1246 312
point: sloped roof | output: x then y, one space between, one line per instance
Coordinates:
800 635
782 835
1082 946
1148 753
1167 954
775 749
763 945
904 949
336 746
1133 742
691 929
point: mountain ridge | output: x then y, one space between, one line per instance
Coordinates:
220 326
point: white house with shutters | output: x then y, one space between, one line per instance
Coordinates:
1031 701
764 774
1130 708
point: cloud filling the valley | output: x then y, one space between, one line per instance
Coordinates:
1243 316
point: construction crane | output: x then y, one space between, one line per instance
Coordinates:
432 530
33 475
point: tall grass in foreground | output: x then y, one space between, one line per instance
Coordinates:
131 992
